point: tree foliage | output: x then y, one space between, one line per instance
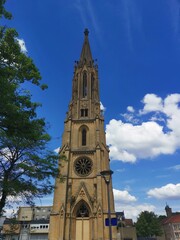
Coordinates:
26 164
3 11
148 225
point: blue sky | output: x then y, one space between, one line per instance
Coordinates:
137 46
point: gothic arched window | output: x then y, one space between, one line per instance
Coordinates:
82 211
92 83
84 133
84 84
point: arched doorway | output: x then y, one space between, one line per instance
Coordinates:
82 222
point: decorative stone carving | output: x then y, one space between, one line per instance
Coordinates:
82 193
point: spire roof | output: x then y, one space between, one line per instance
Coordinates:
86 51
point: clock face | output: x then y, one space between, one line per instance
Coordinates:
83 166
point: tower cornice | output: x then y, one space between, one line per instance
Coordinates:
83 151
84 120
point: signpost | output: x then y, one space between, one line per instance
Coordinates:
113 222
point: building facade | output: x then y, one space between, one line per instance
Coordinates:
171 224
32 223
80 204
125 228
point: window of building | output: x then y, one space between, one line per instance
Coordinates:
177 235
84 112
83 166
82 211
84 84
84 133
175 227
92 83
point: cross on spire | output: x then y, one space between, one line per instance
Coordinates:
86 55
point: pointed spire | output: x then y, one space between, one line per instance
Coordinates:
86 55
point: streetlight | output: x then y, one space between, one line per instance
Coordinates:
107 177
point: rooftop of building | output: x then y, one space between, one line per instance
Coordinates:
128 222
39 221
36 207
175 218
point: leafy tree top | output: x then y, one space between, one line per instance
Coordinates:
27 166
3 11
148 225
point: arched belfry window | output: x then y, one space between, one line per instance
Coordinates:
82 211
84 84
84 135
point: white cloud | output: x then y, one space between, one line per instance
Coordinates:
22 45
126 202
57 150
5 154
121 170
131 141
123 196
172 110
151 103
133 210
102 107
176 167
129 117
163 176
130 109
10 212
169 191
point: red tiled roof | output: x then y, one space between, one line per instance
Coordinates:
128 222
172 219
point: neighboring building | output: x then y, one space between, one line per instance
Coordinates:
11 229
34 213
32 223
25 213
39 229
42 212
2 219
171 224
125 228
80 201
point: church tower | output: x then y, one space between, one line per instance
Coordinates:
80 204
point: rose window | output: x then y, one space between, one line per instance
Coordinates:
83 166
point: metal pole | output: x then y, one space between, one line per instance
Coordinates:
109 211
106 174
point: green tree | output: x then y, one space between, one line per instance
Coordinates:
26 164
3 11
148 225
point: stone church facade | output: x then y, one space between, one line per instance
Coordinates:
80 204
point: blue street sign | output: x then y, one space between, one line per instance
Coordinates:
113 222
